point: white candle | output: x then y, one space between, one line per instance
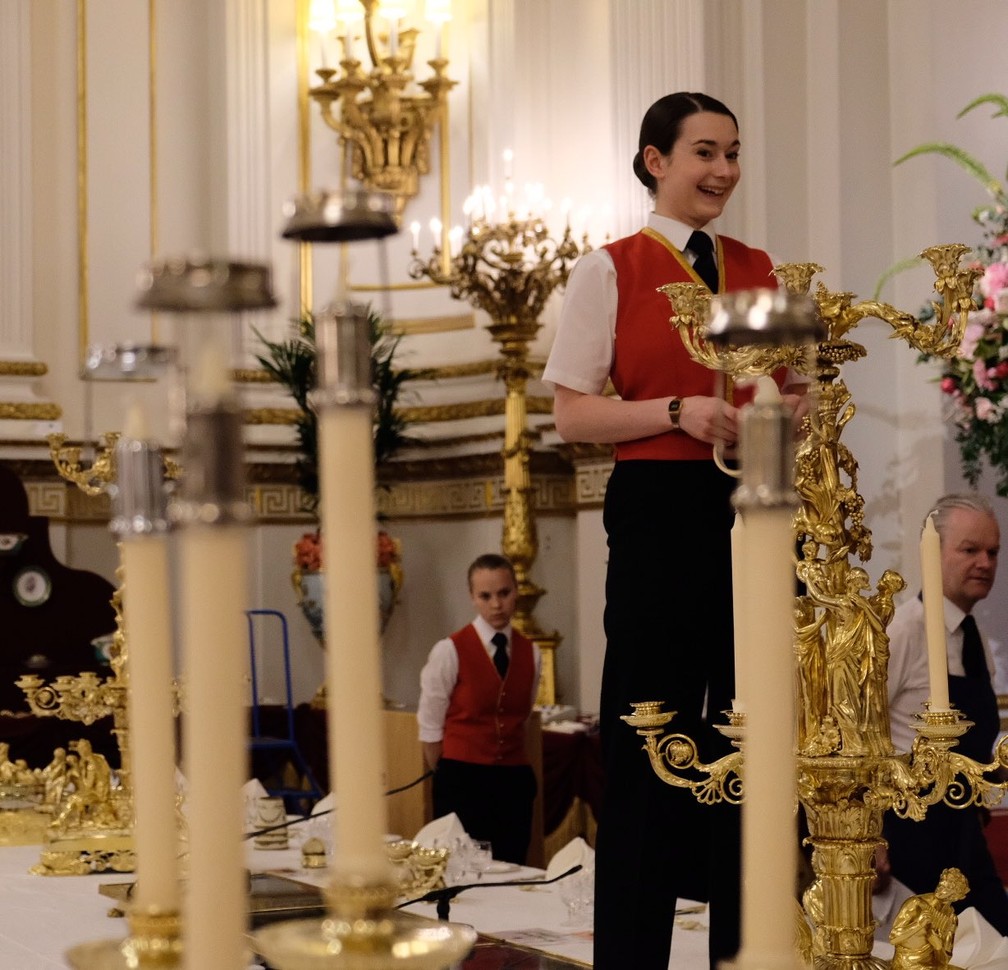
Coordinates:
738 609
414 229
152 729
152 741
934 616
353 670
769 830
210 380
213 594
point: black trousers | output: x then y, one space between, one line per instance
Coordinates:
493 802
668 622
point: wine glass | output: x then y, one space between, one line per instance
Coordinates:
572 896
458 865
480 857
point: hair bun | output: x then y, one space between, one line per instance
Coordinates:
640 170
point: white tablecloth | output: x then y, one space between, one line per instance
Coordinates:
41 917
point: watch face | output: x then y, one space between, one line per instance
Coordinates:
32 586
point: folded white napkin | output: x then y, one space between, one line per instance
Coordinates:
442 831
577 852
326 804
566 727
978 946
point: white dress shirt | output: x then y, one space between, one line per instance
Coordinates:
440 674
909 684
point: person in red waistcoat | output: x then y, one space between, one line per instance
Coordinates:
477 691
668 518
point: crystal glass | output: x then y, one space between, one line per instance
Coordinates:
480 857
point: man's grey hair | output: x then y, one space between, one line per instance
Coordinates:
967 500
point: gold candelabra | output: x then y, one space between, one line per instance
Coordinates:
386 130
509 269
91 479
848 774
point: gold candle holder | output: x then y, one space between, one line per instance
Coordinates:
509 269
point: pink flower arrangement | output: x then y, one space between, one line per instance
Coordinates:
976 380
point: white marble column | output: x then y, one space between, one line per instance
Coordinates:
23 414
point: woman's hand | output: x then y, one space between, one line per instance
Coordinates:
709 419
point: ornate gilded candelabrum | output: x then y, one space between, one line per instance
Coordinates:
386 130
848 774
99 838
92 479
509 269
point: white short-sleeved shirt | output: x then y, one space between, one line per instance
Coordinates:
582 353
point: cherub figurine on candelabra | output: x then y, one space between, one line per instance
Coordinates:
847 772
509 269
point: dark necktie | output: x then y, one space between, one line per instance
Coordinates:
705 266
500 653
974 661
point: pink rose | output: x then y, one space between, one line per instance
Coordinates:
976 329
948 385
980 375
994 279
986 410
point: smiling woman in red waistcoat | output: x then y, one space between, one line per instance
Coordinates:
476 694
668 518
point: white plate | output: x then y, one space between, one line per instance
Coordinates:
502 867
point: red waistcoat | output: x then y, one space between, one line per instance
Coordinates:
650 359
485 722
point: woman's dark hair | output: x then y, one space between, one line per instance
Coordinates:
663 122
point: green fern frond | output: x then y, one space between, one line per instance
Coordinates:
999 100
972 165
